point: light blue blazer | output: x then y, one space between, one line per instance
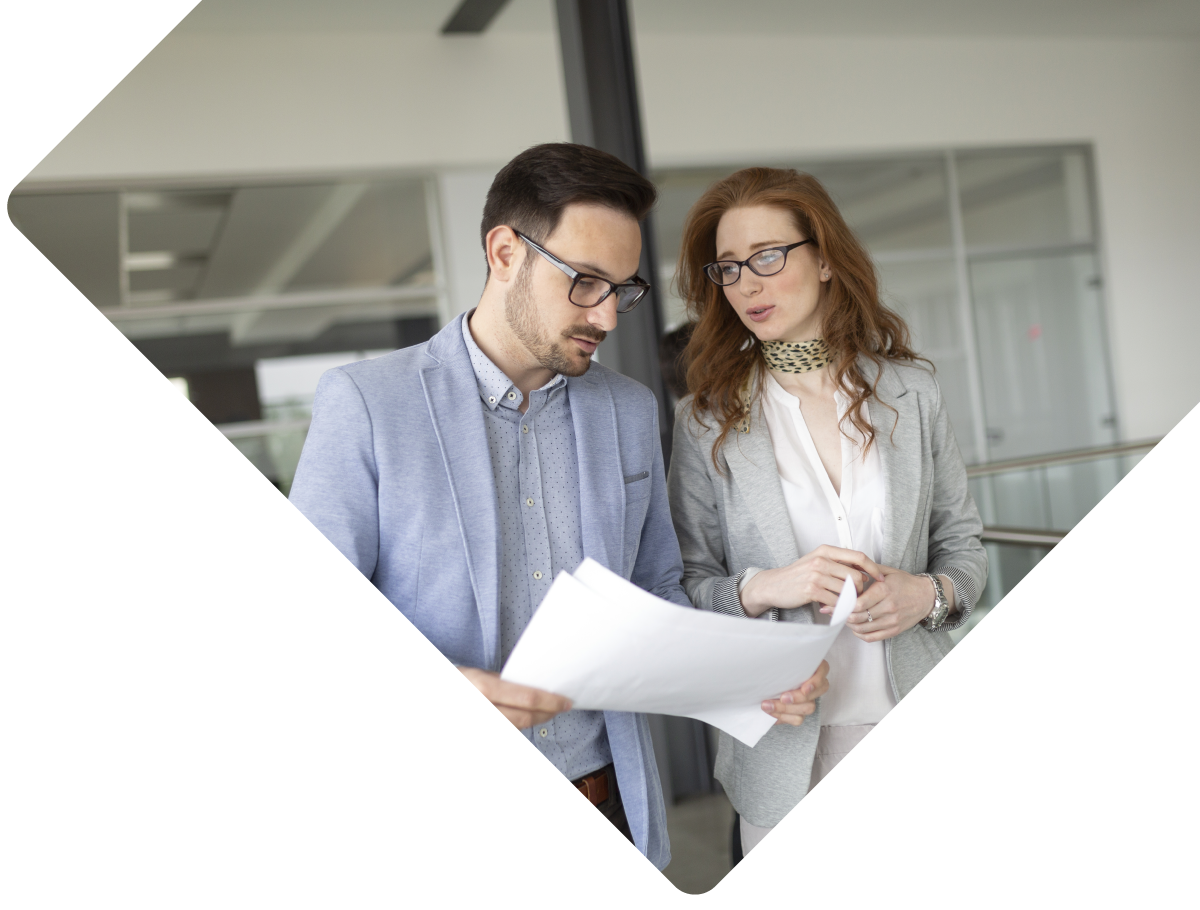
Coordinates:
396 473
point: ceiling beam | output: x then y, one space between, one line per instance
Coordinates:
325 220
473 17
256 303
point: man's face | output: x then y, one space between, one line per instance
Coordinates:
560 336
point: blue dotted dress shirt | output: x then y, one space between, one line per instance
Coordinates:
537 496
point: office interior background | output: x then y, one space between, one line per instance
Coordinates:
281 187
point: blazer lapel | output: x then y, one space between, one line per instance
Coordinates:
601 482
452 396
898 435
751 460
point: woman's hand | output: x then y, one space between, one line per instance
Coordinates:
895 604
793 706
817 577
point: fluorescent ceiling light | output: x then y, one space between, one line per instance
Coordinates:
150 262
157 260
151 201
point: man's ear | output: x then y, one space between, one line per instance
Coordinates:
505 252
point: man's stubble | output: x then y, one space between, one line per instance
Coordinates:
520 312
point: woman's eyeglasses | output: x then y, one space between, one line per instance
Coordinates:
764 263
590 290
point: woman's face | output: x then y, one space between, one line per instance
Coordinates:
785 306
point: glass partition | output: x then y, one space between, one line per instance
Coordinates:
243 294
1023 198
1041 353
1053 497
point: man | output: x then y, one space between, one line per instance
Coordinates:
461 475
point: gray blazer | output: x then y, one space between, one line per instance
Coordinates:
735 519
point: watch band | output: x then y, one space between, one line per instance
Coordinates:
941 606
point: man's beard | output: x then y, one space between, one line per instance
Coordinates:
561 356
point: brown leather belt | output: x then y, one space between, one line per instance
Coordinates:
594 786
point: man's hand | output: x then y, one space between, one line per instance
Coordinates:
523 706
793 706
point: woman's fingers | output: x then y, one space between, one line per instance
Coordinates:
828 565
789 712
826 590
793 706
875 622
852 558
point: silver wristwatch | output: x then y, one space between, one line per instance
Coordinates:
941 606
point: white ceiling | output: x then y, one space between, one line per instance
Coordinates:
1052 18
417 16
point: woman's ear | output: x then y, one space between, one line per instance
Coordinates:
823 269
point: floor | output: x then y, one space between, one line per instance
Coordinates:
699 828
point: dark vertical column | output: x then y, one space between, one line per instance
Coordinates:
602 101
601 84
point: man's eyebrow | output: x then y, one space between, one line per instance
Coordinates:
754 247
592 269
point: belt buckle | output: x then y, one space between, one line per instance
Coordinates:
590 787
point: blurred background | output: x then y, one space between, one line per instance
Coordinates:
283 187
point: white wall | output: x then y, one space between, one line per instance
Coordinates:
206 105
213 105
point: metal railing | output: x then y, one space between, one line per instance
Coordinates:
1056 458
247 428
1025 537
1041 537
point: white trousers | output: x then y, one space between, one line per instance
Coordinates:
833 744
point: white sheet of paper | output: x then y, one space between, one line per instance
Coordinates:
608 645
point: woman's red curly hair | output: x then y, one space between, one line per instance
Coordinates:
723 354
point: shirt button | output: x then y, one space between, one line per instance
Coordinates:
528 502
512 396
538 574
491 399
542 732
524 429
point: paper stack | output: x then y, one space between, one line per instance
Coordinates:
608 645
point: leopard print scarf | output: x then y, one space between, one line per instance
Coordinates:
796 356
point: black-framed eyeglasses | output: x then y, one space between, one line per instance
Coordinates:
591 290
764 263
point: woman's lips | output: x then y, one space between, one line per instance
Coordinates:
759 313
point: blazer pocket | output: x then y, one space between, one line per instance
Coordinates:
637 488
637 503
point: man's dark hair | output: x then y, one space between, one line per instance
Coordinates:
531 191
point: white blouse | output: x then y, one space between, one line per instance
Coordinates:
859 689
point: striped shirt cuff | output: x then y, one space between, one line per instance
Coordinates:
965 595
726 596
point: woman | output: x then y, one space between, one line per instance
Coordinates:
814 447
